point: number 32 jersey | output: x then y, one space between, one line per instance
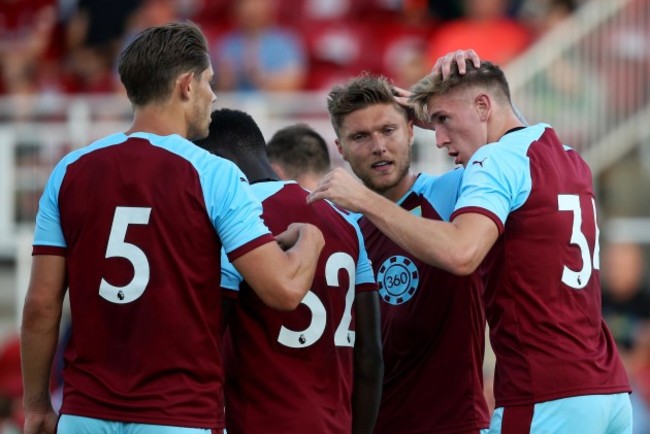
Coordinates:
542 297
292 372
141 220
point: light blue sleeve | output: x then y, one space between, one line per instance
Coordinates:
497 179
365 273
230 277
48 231
440 191
233 209
232 206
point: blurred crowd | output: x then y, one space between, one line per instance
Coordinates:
70 46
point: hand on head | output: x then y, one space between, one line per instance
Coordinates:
442 66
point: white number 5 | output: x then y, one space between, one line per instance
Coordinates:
579 279
117 247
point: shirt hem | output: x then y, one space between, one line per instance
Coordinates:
560 395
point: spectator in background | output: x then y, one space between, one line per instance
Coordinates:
258 55
486 27
402 39
26 34
298 152
626 297
26 29
94 34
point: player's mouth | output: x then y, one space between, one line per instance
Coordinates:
382 165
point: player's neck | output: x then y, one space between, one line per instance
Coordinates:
259 172
398 191
158 120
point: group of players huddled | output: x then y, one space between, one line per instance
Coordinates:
209 290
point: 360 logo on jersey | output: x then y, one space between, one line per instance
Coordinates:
397 279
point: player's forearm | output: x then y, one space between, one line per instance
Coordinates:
39 339
302 262
437 243
366 395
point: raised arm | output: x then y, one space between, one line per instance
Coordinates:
458 247
282 278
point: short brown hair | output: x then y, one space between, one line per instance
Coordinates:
358 93
488 76
299 150
153 60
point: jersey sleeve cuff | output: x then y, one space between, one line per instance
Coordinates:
49 250
478 210
251 245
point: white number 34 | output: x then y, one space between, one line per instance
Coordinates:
579 279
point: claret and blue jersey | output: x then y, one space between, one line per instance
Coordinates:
433 327
542 295
293 371
141 220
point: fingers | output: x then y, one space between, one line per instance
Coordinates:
443 64
399 92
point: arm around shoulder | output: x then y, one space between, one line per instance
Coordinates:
282 278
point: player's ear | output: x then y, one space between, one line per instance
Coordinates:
483 105
279 170
185 82
339 147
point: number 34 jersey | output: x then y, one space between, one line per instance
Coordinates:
141 220
542 296
293 371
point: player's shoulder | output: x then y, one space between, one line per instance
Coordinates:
432 186
509 152
74 155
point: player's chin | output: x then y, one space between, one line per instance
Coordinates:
199 134
381 184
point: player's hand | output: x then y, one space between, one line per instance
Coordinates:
342 188
290 236
443 64
37 422
402 98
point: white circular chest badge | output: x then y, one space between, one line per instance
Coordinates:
397 279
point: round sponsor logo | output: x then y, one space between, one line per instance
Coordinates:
398 279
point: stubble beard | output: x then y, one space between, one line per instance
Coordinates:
383 187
